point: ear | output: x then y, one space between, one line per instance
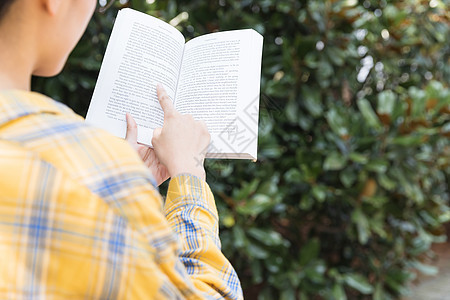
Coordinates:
52 6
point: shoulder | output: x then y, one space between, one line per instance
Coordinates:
61 137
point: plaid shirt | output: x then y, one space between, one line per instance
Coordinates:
81 218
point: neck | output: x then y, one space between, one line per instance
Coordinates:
14 81
16 56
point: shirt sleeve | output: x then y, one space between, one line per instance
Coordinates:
192 214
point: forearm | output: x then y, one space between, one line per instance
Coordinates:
191 212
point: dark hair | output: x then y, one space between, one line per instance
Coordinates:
4 5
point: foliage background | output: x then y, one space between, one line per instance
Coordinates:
351 185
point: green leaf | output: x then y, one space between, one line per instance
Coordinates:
396 284
396 277
425 269
256 268
309 251
319 192
419 99
311 60
379 292
386 182
288 294
377 202
239 237
270 186
337 122
348 177
362 225
271 151
292 111
408 140
378 166
312 102
293 175
359 283
368 114
256 251
266 237
326 71
338 292
256 205
336 55
386 102
247 189
334 161
307 202
315 271
358 158
349 3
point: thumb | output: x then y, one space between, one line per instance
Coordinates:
131 135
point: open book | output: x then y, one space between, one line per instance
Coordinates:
214 77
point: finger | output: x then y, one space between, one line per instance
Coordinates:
131 135
204 129
156 134
147 154
203 124
164 100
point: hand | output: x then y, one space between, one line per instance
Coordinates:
182 142
146 153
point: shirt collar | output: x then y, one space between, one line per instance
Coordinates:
15 104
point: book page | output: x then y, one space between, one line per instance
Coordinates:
219 83
142 52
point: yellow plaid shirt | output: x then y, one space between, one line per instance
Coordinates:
81 218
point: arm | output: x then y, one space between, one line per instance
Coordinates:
190 208
191 212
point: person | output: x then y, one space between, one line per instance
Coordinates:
80 213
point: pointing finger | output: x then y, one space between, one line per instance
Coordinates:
164 100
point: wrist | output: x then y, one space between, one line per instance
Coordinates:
197 171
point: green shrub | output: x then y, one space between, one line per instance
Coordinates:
351 186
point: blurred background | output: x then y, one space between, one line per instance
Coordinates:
350 190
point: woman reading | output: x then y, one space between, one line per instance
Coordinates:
80 213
